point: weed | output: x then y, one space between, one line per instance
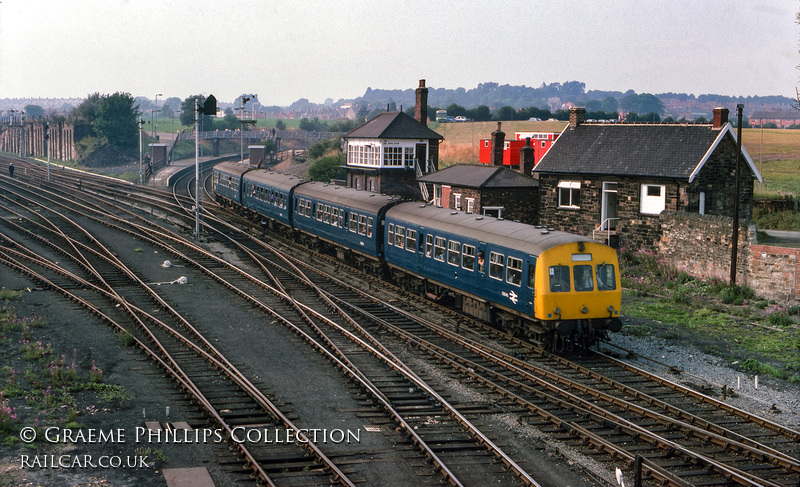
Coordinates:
126 338
9 295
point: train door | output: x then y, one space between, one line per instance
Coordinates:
419 260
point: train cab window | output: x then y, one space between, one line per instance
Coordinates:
606 277
468 257
559 279
362 224
400 237
411 240
369 227
514 271
496 265
453 252
438 248
428 245
583 278
354 222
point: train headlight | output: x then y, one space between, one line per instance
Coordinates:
611 309
557 310
584 310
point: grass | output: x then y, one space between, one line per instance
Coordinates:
38 386
727 321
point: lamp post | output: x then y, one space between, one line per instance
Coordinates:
141 172
47 146
154 118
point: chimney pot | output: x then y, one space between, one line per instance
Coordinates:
720 118
577 115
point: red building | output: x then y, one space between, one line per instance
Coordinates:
540 141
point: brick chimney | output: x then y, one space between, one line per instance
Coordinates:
577 115
720 118
526 158
498 141
421 106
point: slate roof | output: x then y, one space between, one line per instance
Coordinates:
639 150
393 125
479 176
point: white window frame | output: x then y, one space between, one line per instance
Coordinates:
569 186
652 205
470 205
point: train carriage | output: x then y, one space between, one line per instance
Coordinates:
346 218
269 193
227 181
531 280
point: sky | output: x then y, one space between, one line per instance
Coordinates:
291 49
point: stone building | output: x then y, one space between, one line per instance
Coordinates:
485 190
611 181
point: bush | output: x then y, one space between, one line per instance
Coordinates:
327 168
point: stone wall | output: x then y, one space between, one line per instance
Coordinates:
29 138
701 246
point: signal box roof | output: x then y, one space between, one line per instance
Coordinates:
393 125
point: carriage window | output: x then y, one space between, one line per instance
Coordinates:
606 277
308 208
390 239
335 217
468 259
514 271
532 274
438 248
496 265
411 240
362 224
326 215
583 278
400 237
369 227
453 252
559 279
341 218
428 245
319 212
353 222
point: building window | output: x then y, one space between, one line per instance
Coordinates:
495 211
486 143
569 194
408 155
544 145
470 205
653 199
457 199
393 156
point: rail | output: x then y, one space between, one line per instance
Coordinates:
607 224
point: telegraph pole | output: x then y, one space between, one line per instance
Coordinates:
736 197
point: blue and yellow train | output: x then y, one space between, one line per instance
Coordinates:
554 288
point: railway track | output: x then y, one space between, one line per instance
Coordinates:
609 410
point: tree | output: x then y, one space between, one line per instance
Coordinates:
505 113
187 112
88 109
116 120
327 168
34 111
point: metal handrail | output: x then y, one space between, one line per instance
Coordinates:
608 229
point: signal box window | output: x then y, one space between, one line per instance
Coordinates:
606 277
583 278
559 279
496 265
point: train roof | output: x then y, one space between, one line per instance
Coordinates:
346 197
506 233
280 181
232 168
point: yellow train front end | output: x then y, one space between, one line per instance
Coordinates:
578 290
